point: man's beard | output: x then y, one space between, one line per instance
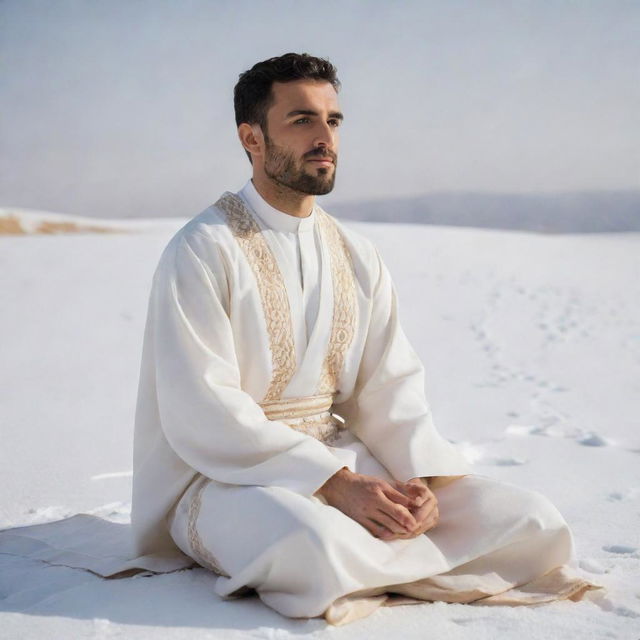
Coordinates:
281 167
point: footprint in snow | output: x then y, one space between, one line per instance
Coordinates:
593 566
505 462
622 549
628 494
593 440
476 454
528 430
606 604
548 430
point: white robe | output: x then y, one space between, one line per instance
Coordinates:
235 490
206 364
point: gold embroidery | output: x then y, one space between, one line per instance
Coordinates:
309 414
322 426
344 304
202 555
297 407
277 313
273 293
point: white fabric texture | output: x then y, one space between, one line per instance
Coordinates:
206 365
491 537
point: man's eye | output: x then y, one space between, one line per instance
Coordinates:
334 122
301 121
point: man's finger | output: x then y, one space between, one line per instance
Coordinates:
422 498
400 514
391 523
396 496
378 530
417 492
424 514
431 500
430 522
425 511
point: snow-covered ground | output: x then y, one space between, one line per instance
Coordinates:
532 349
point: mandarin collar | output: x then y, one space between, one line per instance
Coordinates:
272 217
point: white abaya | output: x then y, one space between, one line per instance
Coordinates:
262 327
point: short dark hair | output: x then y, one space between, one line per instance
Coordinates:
252 95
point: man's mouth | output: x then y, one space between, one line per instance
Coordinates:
326 159
323 161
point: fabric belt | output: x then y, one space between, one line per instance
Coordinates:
309 414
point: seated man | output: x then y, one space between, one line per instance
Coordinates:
283 439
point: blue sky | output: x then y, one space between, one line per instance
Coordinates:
125 107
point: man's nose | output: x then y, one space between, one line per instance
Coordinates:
325 136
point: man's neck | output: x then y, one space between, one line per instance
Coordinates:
283 198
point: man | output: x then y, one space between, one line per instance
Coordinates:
283 439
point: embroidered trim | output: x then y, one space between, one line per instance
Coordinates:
291 408
344 304
309 414
273 292
323 426
277 313
201 554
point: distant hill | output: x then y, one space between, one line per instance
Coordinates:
571 212
18 222
577 212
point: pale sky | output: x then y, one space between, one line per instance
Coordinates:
125 108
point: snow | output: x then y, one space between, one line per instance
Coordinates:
532 350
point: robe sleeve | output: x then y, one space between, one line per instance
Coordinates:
206 417
388 409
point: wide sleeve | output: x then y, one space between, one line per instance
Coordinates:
207 419
388 409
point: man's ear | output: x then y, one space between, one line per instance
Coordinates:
251 138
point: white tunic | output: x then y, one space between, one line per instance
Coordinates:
256 311
207 363
297 243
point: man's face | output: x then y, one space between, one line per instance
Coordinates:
301 139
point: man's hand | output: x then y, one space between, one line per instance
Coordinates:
383 510
424 506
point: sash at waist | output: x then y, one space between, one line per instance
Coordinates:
309 414
288 408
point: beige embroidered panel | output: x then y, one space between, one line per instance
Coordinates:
301 407
275 302
309 414
273 292
201 554
344 304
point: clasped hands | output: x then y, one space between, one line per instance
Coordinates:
387 510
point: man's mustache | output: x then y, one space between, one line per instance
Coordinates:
321 153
